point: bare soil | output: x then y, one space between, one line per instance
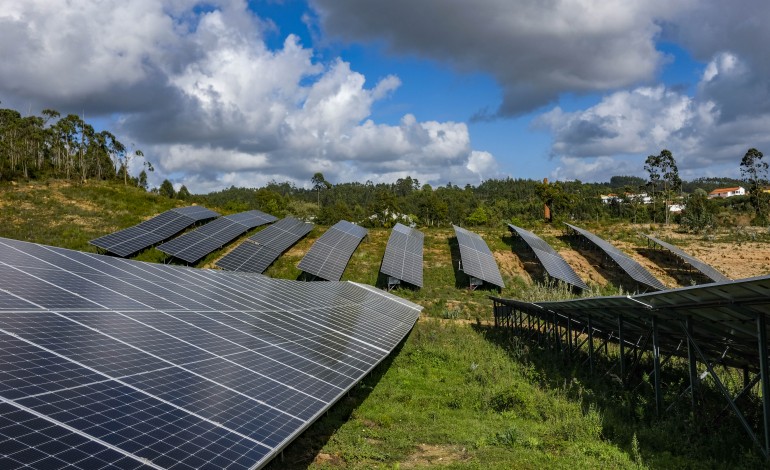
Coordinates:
735 259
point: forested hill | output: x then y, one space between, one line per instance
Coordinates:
51 146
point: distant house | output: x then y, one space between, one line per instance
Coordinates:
641 197
727 192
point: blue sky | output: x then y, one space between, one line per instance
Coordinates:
227 92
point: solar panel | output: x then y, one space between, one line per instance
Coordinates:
552 262
161 227
723 316
261 249
198 243
403 255
477 259
106 362
626 263
704 268
329 255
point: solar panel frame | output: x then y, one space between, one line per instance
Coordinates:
550 259
330 254
704 268
194 245
260 250
154 230
229 369
403 257
635 270
477 259
249 257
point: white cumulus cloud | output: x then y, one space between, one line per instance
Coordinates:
195 85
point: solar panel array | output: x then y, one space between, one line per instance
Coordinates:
165 225
552 261
262 249
196 244
477 259
403 255
329 255
106 362
626 263
723 316
704 268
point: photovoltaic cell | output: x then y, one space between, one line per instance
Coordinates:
403 255
198 243
110 363
329 255
704 268
626 263
261 249
161 227
552 261
477 259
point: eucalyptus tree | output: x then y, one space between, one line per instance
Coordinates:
663 170
319 183
754 172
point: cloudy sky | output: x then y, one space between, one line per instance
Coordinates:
222 93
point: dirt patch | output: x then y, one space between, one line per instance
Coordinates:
435 455
583 267
511 264
328 460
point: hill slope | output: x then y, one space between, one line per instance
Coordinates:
458 393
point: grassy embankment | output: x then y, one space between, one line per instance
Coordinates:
457 393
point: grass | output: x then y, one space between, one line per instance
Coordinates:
457 393
453 399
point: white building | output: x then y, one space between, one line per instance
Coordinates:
727 192
629 197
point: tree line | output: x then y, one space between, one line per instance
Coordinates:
67 147
521 201
63 147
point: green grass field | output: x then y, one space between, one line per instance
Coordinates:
457 393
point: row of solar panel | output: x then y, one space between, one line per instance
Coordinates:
113 363
558 268
327 258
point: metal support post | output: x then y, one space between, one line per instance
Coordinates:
656 362
764 377
762 341
693 365
622 346
590 346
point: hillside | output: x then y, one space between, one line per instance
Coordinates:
457 393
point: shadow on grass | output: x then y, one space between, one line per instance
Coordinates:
710 438
603 264
684 274
305 449
531 264
461 279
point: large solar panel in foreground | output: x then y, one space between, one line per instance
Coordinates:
477 259
106 362
196 244
403 255
260 250
626 263
552 261
329 255
164 225
704 268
